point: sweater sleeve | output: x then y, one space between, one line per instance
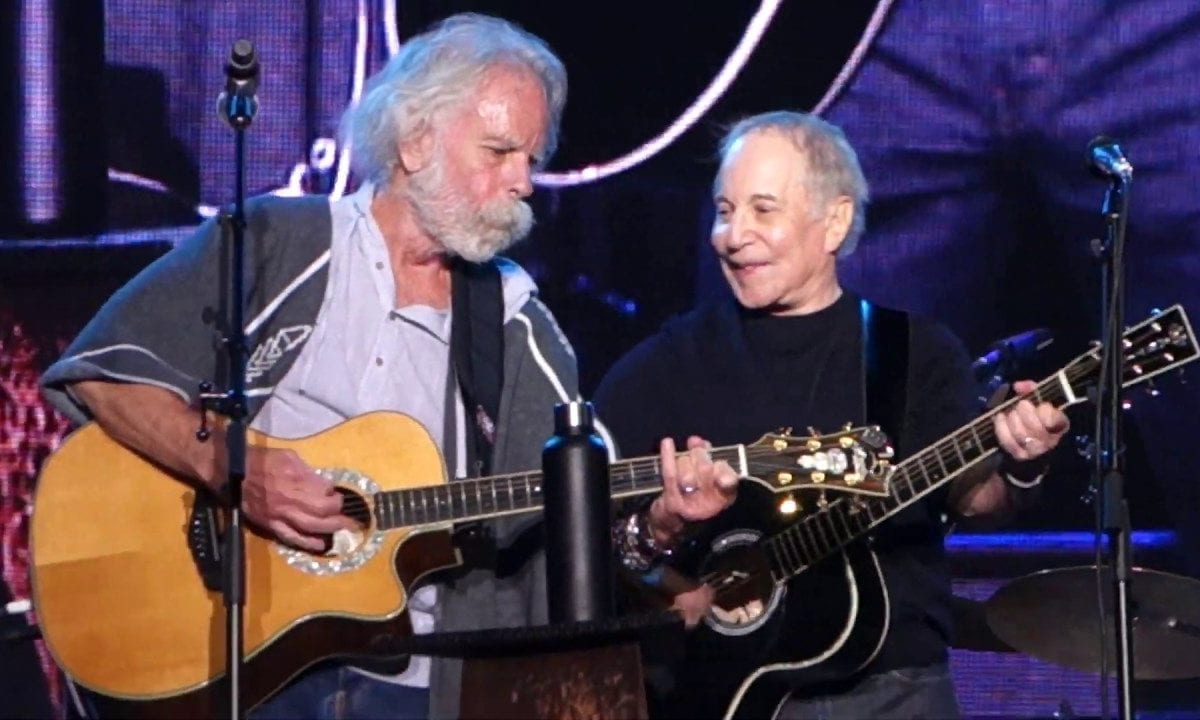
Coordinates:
166 326
162 328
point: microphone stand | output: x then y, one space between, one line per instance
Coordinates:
237 106
1108 460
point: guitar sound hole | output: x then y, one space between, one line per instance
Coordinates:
344 542
745 595
354 506
345 550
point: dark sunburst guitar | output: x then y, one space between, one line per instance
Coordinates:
768 633
126 574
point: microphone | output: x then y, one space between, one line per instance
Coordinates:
237 104
1106 160
1004 355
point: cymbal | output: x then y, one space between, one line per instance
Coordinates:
1053 615
971 629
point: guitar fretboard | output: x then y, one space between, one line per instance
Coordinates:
498 495
844 520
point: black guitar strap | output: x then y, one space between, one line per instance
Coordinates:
477 352
885 335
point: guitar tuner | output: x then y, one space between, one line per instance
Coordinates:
789 505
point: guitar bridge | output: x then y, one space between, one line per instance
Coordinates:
204 540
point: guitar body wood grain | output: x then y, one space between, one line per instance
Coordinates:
123 608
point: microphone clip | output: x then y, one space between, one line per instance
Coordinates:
237 103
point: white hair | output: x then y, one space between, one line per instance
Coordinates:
437 70
833 168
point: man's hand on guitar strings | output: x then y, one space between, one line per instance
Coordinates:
286 497
1027 431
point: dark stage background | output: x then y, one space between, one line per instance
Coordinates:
970 116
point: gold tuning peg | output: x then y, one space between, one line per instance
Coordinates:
813 431
848 426
789 505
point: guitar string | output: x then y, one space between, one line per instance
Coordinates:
941 451
948 449
629 477
633 473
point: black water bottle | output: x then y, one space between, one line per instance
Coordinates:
578 512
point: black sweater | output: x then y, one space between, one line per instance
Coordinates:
730 375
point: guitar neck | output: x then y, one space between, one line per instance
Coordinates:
831 528
515 493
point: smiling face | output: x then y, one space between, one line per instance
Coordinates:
776 244
476 168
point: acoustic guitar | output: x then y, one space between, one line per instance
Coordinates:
127 570
800 597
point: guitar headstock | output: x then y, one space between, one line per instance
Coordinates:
1156 345
855 460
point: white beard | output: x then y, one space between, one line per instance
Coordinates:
476 235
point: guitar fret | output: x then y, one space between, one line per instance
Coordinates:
861 521
425 505
481 497
920 463
478 497
962 459
826 530
790 554
779 570
978 443
439 508
410 497
512 504
412 507
462 494
819 535
845 523
941 463
622 475
803 557
797 532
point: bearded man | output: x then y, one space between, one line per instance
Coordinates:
352 306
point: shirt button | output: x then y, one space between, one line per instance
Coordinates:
379 265
378 361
